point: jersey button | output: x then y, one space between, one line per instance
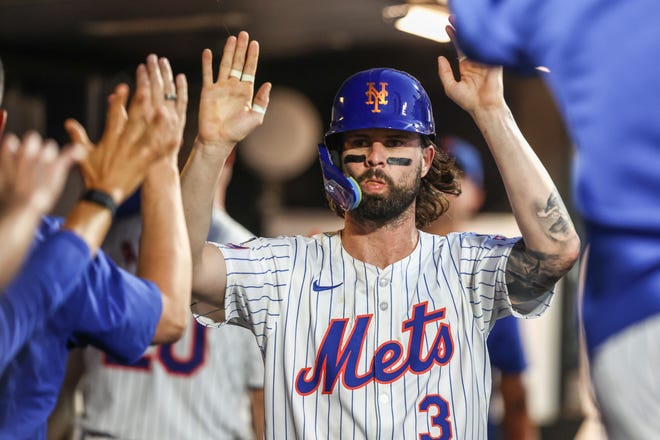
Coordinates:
383 306
384 399
383 282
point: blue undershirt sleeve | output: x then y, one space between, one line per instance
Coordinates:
44 283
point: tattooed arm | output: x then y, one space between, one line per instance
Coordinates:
550 245
530 273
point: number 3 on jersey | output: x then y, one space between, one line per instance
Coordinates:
166 354
438 410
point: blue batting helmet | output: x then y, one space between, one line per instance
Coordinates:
381 98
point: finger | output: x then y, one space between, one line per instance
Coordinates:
49 151
445 73
77 132
140 109
238 61
72 153
227 58
156 81
168 80
142 94
121 94
60 166
251 62
29 146
3 120
261 99
116 117
182 96
207 67
26 156
452 36
10 145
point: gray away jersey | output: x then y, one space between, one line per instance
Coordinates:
353 351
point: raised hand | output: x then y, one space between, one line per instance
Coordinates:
134 140
170 99
33 172
229 110
480 86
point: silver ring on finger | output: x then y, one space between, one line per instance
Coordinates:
247 78
236 74
171 97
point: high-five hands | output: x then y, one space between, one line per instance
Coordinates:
229 109
33 172
134 140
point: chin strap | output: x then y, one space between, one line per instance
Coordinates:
343 190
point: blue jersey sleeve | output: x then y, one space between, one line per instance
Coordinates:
118 312
495 31
505 346
45 282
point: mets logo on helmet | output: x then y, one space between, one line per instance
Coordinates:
376 97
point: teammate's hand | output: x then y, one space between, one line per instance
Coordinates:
136 139
229 110
33 172
479 87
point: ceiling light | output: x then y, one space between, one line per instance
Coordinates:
423 20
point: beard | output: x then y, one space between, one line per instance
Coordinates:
381 209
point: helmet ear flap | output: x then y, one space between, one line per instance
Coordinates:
343 190
335 156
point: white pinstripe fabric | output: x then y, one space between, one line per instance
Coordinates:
209 401
270 288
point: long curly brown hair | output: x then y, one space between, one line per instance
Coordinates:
431 201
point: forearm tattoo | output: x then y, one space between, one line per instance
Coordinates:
530 273
554 217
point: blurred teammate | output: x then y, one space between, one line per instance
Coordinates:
505 349
465 207
602 85
209 384
377 330
69 293
32 174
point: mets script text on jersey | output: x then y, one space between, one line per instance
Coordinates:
334 360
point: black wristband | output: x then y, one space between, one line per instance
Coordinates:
100 198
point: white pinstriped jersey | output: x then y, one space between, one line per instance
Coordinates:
353 351
194 389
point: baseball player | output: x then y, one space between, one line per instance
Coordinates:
377 330
200 387
70 293
602 87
